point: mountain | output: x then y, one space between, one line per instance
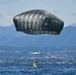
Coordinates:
73 24
10 37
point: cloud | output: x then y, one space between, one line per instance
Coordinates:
2 2
63 12
58 12
74 0
74 14
1 16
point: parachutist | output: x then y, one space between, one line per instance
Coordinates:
36 63
38 22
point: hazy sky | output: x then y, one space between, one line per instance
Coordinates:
64 9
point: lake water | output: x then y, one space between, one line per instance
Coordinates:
48 65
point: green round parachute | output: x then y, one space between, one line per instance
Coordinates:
38 22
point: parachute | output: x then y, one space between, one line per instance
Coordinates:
38 22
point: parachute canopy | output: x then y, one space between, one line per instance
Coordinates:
38 22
